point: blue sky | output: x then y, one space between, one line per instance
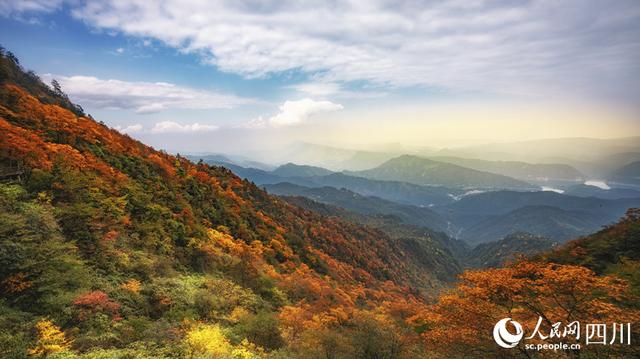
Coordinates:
234 75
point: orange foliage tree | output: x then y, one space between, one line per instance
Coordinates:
96 301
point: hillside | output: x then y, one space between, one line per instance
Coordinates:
422 171
551 222
629 173
124 249
512 247
352 201
441 254
604 251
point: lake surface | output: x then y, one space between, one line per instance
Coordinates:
597 183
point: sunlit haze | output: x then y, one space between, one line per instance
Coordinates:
235 77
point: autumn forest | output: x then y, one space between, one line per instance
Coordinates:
110 248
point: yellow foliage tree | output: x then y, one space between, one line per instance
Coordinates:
132 285
50 339
208 339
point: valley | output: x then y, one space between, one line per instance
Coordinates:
486 212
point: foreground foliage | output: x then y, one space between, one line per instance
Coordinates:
551 287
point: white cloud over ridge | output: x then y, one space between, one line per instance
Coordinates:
129 129
174 127
294 113
165 127
142 97
528 47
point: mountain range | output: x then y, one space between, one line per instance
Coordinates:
427 172
475 216
531 172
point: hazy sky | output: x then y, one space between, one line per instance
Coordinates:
197 76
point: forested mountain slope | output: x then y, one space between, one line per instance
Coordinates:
107 245
352 201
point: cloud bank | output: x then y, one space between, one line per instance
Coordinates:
516 47
142 97
295 113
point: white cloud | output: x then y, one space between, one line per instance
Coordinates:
142 97
129 129
150 108
294 113
532 47
120 50
174 127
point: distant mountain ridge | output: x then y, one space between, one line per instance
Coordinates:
294 170
334 158
397 191
473 217
577 148
229 159
517 169
427 172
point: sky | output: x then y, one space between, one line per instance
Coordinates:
249 76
